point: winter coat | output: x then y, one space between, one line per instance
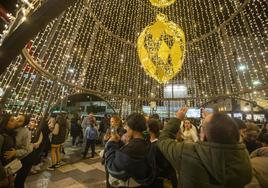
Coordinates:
205 164
134 160
259 161
75 129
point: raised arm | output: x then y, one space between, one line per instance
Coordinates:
167 145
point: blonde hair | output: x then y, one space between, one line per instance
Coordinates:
118 120
252 127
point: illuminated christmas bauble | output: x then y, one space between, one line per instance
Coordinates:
162 3
161 48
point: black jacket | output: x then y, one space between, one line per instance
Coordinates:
135 160
59 138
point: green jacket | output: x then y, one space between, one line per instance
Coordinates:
204 164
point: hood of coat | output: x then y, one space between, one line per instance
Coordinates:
226 163
261 152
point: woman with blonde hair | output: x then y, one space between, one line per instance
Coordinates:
116 126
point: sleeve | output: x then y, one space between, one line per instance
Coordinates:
86 132
112 161
26 147
40 138
171 149
56 129
83 125
194 136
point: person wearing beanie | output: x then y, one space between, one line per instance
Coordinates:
132 165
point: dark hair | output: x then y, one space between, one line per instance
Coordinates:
4 121
61 120
154 116
136 122
264 130
183 126
26 119
222 129
53 115
265 138
154 126
241 124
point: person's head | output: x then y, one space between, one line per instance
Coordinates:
61 120
7 122
241 126
265 127
92 121
154 116
22 120
115 121
90 115
220 128
154 127
32 123
187 125
52 120
135 125
251 132
265 139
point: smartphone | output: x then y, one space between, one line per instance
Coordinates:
114 131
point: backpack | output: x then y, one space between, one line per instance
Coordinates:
92 134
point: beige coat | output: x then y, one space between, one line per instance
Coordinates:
259 161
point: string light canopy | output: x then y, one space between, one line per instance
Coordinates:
92 47
162 3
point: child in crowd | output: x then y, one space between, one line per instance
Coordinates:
91 135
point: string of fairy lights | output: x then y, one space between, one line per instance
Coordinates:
92 45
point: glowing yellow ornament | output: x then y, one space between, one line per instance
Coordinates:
162 3
161 48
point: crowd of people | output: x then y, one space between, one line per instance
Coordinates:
221 152
25 141
140 151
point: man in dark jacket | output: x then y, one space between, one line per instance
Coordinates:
133 163
219 161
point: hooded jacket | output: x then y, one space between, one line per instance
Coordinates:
134 160
205 164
